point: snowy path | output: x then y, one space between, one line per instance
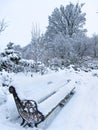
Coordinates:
81 113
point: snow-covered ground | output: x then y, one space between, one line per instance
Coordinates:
80 113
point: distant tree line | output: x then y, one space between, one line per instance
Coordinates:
64 43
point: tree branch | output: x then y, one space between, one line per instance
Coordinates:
3 25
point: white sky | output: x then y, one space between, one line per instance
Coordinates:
21 14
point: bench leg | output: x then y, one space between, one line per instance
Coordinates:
36 125
23 121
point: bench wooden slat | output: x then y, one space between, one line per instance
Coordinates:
52 102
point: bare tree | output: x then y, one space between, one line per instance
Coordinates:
37 46
3 25
35 40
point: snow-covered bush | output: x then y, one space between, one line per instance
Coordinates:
9 59
5 81
3 96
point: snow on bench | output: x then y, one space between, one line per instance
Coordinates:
53 90
47 106
29 109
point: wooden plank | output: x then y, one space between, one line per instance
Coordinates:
52 102
46 97
66 98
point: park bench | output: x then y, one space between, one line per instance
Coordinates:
33 113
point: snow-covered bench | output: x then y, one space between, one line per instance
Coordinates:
34 113
58 98
53 89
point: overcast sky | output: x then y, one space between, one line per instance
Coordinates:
21 14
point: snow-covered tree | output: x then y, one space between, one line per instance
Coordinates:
95 45
80 45
67 20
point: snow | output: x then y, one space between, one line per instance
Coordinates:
80 113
